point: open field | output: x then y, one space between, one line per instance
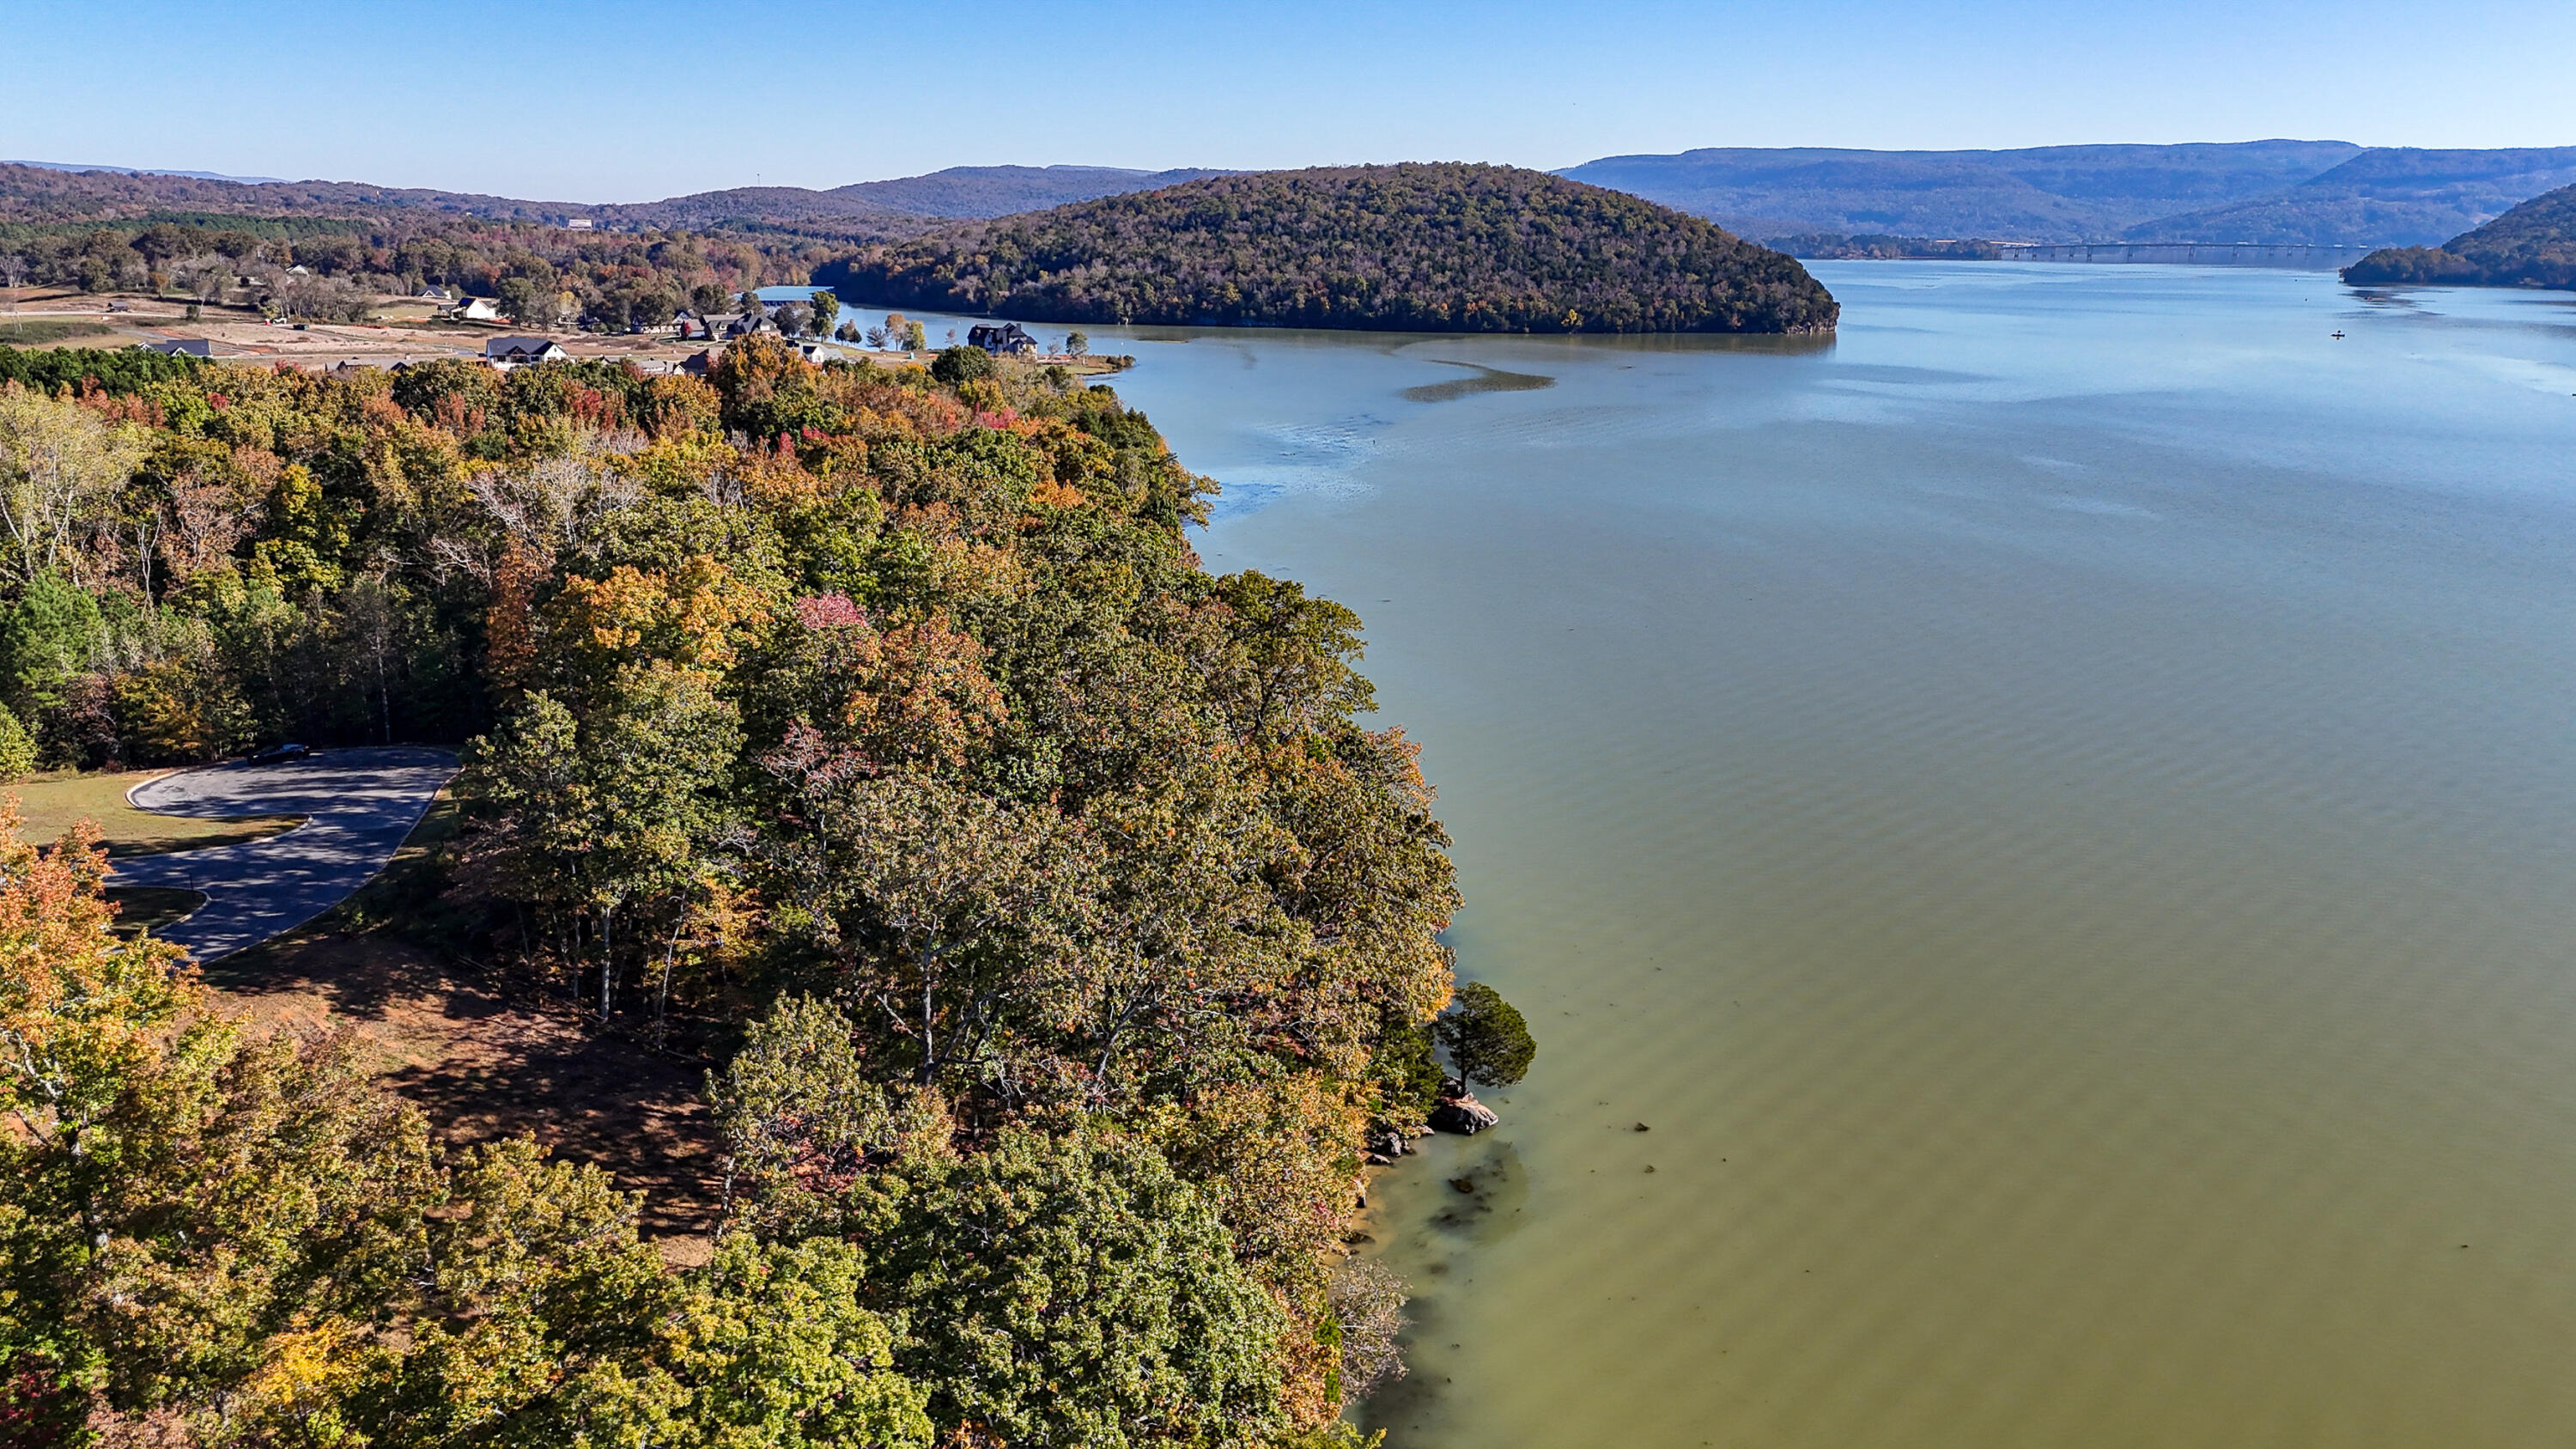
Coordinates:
51 804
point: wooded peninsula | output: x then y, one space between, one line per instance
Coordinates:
1058 940
1415 247
2533 245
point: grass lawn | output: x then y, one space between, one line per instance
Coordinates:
53 803
38 331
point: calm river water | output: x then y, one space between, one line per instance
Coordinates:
2057 809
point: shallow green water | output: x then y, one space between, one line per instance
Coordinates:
2059 812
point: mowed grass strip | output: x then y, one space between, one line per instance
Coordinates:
52 804
36 332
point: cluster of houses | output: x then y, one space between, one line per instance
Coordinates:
1005 339
688 325
457 307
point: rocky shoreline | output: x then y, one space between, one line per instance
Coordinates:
1458 1113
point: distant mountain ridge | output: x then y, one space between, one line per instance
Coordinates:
2388 196
143 171
2274 192
978 192
904 206
867 210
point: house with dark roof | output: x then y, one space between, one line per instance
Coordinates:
1001 338
508 352
181 347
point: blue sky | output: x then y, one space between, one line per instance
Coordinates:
587 101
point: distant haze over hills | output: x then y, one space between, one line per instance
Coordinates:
901 207
989 191
141 171
2330 192
2253 191
2385 197
53 191
2533 245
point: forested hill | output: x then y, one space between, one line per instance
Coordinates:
2533 245
1417 247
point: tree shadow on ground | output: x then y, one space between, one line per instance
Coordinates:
482 1064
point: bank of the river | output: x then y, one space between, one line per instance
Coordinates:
2056 808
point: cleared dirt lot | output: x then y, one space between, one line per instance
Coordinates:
484 1062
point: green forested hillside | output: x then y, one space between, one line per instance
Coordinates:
2533 245
1418 247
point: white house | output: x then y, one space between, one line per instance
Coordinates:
477 309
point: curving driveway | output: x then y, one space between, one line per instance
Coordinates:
363 802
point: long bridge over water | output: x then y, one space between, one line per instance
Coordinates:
2318 255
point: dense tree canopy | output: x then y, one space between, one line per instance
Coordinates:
1439 248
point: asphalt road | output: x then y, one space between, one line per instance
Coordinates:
363 802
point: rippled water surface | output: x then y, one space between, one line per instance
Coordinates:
2058 810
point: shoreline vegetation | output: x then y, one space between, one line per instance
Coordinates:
1413 247
1054 943
2533 245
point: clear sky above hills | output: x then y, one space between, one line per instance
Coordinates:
623 100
